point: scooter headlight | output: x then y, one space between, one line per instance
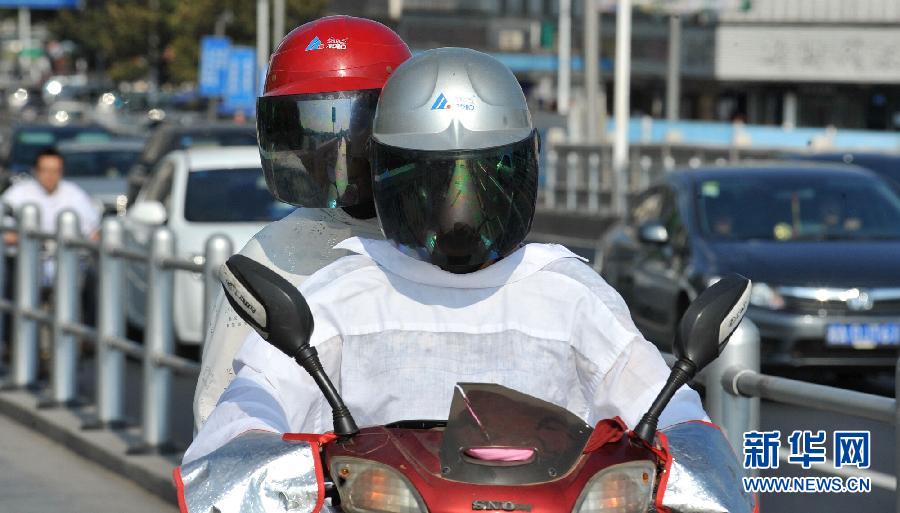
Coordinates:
623 488
368 487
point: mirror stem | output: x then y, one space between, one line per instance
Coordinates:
682 372
344 425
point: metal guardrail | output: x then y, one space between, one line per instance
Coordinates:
580 178
735 386
112 347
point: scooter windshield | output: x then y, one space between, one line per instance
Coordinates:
500 436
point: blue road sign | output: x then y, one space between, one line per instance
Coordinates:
40 4
214 51
240 88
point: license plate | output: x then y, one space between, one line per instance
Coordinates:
862 336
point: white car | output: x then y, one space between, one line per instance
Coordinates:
197 193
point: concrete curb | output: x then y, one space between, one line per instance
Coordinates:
107 448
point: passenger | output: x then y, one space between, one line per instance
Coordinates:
322 83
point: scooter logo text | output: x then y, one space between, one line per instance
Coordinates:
499 506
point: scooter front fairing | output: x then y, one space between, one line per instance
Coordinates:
500 450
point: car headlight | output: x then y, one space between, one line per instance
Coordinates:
623 488
764 296
368 487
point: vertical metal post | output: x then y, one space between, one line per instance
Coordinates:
673 76
591 68
733 413
28 261
277 22
158 340
218 249
24 34
550 182
573 180
395 9
789 111
65 310
262 37
622 99
564 49
110 363
153 53
593 171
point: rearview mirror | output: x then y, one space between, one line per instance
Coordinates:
280 314
653 232
711 319
151 213
702 334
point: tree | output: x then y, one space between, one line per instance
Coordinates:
191 20
114 35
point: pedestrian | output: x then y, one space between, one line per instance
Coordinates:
52 195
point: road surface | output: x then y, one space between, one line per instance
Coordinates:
40 476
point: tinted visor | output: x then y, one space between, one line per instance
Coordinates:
313 147
457 209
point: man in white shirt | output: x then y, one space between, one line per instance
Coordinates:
52 195
452 295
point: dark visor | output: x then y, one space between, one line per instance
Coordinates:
457 209
313 147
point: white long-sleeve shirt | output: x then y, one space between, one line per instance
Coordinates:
295 247
396 334
67 196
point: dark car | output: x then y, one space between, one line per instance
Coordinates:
885 165
821 243
167 138
27 141
101 168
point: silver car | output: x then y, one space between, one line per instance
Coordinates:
197 193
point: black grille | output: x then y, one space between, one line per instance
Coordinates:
817 347
814 307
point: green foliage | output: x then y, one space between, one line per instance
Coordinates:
115 35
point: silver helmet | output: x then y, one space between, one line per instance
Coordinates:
454 159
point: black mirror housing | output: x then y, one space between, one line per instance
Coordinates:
269 303
711 319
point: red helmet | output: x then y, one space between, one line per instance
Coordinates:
315 115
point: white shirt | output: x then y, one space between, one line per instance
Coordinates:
295 246
67 196
396 334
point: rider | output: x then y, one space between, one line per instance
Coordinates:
453 294
314 120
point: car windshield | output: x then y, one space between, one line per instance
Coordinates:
99 163
27 143
791 207
231 196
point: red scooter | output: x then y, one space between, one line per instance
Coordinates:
501 450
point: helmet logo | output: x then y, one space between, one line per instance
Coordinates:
462 103
440 103
315 44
